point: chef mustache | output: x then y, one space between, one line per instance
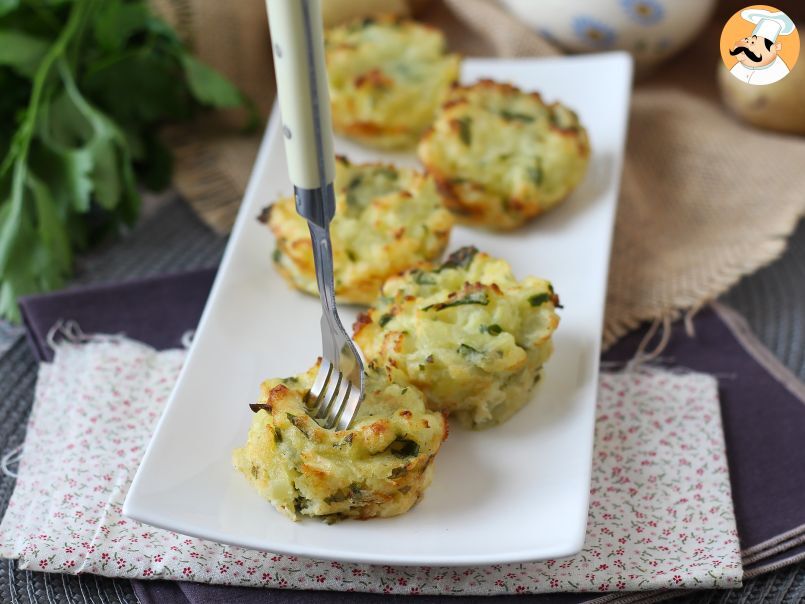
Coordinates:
752 56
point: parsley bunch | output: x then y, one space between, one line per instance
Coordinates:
84 86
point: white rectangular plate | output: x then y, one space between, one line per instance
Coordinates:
514 493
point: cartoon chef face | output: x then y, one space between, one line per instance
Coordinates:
755 51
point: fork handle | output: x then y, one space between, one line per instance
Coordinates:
299 65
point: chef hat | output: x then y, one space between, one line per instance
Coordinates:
769 24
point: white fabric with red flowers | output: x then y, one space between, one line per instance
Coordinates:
660 516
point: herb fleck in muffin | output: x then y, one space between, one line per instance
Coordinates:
379 467
501 156
387 77
467 333
386 220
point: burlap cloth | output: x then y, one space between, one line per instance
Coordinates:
705 199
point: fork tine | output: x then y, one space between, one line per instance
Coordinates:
330 395
337 408
316 391
349 408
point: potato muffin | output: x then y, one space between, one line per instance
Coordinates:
467 333
387 219
501 156
379 467
387 76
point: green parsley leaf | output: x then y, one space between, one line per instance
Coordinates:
461 258
539 299
116 22
403 447
85 85
422 278
6 6
465 130
208 86
514 116
473 355
21 52
535 173
473 298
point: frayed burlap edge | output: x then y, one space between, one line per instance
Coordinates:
696 212
619 322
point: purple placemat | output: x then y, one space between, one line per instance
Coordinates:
763 419
157 310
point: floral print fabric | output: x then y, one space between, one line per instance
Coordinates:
660 509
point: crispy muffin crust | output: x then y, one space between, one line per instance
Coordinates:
380 467
386 220
502 156
467 333
387 77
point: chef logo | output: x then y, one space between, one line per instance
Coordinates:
760 45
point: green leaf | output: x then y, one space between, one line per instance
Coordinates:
473 355
422 278
16 90
403 447
160 28
105 145
30 265
535 173
85 86
11 216
50 227
76 165
61 124
66 166
21 52
514 116
479 298
8 301
115 22
6 6
105 176
465 130
156 171
539 299
460 259
130 202
139 89
208 86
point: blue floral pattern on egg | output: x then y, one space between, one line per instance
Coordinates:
644 12
593 32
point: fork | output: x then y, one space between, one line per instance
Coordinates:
298 48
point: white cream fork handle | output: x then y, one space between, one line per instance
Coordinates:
298 47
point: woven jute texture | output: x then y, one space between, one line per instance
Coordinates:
705 199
